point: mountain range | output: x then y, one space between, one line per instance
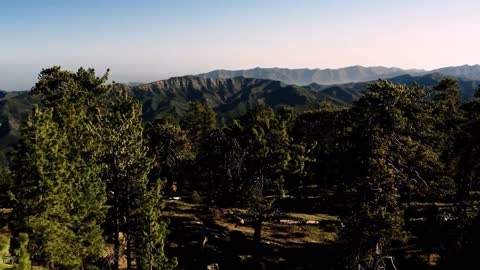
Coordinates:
349 92
232 97
340 76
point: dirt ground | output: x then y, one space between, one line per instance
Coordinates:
200 236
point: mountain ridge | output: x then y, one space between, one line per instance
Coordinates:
306 76
352 91
228 96
351 74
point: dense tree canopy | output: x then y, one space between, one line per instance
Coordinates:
84 142
87 182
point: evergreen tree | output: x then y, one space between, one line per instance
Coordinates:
5 186
265 141
136 202
84 142
387 135
150 231
461 251
446 108
321 137
169 146
60 197
220 166
199 121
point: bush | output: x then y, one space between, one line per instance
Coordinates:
196 198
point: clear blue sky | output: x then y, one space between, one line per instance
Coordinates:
151 40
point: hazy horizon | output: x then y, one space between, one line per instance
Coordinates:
151 40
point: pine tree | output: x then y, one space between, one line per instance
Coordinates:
199 121
5 186
60 197
264 139
84 142
169 146
461 251
446 108
391 125
150 231
220 166
136 202
318 139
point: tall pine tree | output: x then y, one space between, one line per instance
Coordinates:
135 201
60 197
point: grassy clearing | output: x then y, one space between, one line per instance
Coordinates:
200 236
312 217
274 233
182 210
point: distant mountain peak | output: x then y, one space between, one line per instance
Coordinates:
329 76
307 76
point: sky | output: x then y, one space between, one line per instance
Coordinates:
142 41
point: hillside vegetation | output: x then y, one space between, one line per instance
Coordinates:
192 173
229 98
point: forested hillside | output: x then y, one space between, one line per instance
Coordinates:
352 91
390 181
229 98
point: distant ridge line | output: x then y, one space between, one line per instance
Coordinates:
329 76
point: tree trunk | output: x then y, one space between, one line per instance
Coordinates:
116 248
128 228
129 254
257 235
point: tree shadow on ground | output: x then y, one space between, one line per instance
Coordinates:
200 242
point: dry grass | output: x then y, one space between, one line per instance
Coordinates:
284 234
312 217
272 233
6 211
181 209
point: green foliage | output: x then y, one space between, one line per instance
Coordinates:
5 186
219 165
24 262
199 120
169 146
230 98
136 201
196 198
59 193
15 108
395 146
84 142
390 136
319 141
150 232
4 252
460 129
264 138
